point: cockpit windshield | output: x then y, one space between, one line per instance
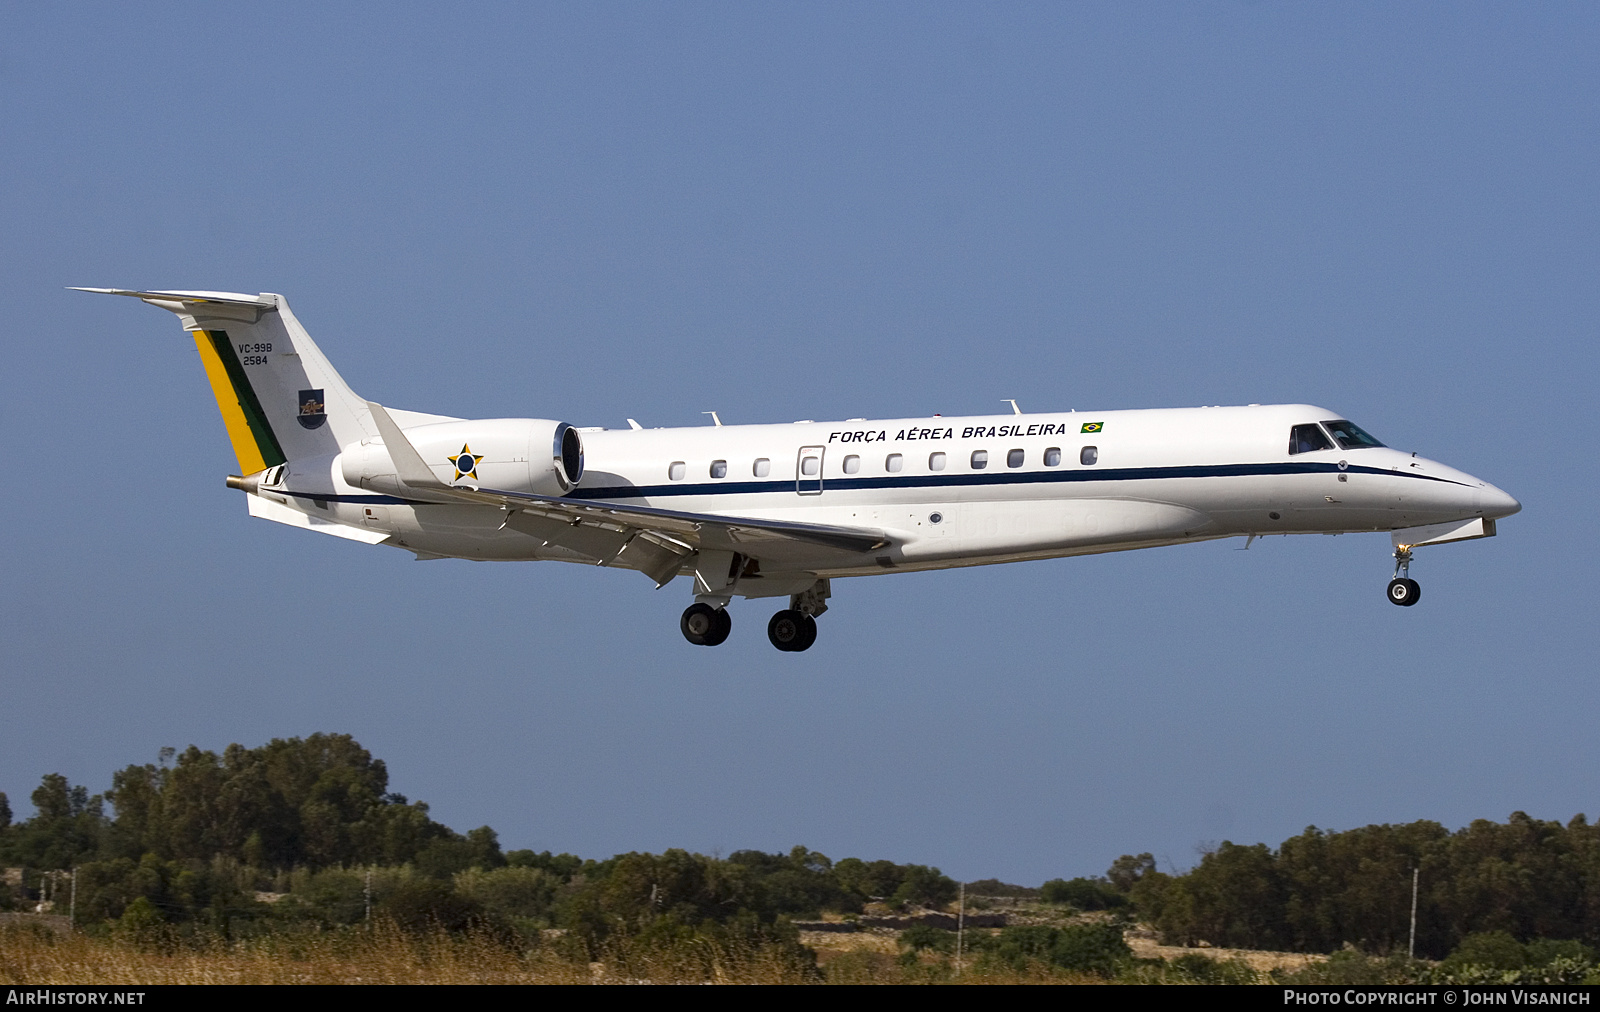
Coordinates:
1350 435
1308 437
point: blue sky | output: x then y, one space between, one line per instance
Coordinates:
590 212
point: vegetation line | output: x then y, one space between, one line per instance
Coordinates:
294 861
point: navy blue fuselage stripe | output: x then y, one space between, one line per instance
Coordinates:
1002 477
915 481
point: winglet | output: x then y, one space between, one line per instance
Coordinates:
408 463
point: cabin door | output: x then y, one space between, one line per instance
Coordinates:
808 470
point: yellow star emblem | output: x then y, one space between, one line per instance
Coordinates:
466 463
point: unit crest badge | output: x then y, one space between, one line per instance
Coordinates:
312 414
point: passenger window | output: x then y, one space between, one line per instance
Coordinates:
980 459
852 464
1052 457
1014 458
1308 437
763 467
1088 455
809 466
936 462
675 470
719 469
893 463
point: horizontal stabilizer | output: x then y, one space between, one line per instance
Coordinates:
226 298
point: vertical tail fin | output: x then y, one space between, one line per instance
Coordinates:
280 398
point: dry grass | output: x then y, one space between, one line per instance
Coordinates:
1259 960
828 944
383 957
388 956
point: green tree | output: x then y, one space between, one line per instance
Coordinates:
1127 870
874 880
923 886
801 883
66 829
319 801
1083 893
1239 898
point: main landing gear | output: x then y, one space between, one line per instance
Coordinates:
1403 590
705 626
792 630
706 623
795 628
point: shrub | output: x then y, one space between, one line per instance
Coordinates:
1083 893
1086 948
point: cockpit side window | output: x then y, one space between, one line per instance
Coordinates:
1350 435
1308 437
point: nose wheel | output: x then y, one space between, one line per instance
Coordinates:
1403 590
792 631
705 626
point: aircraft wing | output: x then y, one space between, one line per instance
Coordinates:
655 541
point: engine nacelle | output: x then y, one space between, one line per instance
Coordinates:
516 454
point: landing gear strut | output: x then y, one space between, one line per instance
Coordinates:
705 626
1403 590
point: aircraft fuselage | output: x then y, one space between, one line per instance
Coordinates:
973 490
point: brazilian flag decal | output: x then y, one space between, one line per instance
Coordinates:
248 429
1092 426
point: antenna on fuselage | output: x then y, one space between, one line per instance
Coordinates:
713 415
1011 401
634 425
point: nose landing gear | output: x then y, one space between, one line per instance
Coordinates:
705 626
1403 590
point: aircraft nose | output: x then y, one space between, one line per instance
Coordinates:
1496 503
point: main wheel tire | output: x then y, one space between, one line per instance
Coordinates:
699 625
1404 592
809 634
721 627
787 630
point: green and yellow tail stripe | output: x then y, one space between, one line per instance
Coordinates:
253 441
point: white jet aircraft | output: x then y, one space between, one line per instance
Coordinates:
782 510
